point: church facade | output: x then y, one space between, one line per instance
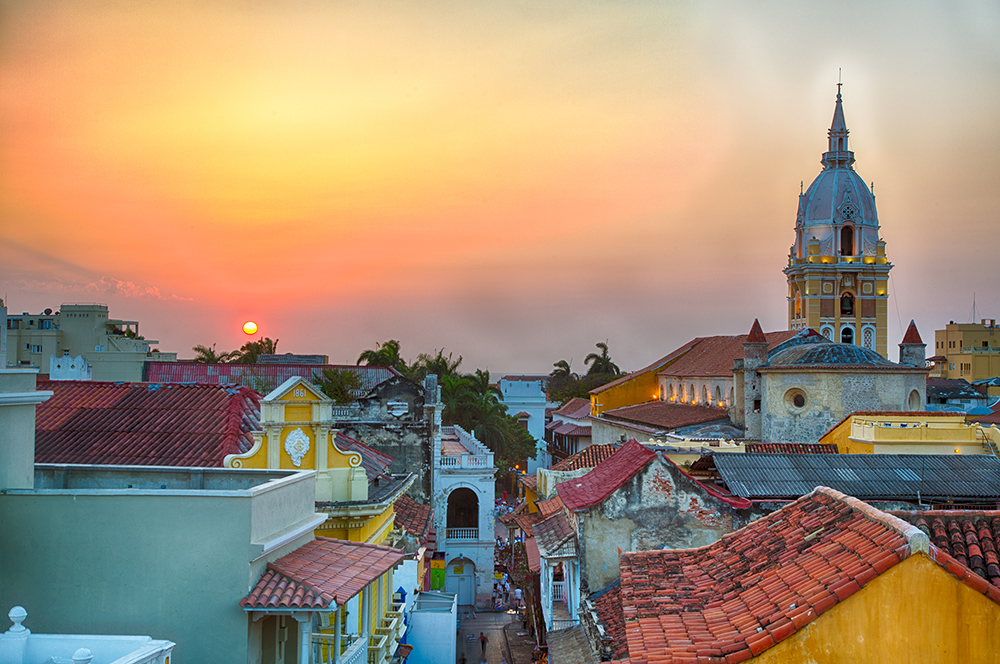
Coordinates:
838 273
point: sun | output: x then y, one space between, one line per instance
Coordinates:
250 327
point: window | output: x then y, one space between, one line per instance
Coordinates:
847 336
36 348
868 336
847 305
756 405
795 400
46 325
847 241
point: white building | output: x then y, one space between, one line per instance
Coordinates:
463 510
525 399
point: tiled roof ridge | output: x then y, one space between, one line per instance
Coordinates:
916 539
608 485
963 573
731 500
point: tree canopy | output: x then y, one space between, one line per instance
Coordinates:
565 385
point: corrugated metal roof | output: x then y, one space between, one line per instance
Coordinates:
871 476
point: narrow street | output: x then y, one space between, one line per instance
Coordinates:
501 628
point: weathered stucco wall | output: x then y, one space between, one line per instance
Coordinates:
659 508
406 437
915 612
829 397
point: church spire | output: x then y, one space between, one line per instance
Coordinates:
838 155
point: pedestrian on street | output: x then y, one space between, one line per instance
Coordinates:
517 596
483 640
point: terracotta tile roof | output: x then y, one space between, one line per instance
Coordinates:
739 596
573 430
522 415
508 518
375 463
606 478
551 506
912 336
665 415
652 367
146 424
575 409
526 521
416 518
534 559
319 573
609 610
792 448
553 425
586 458
555 536
714 356
528 481
972 538
262 377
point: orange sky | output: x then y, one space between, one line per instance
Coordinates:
511 181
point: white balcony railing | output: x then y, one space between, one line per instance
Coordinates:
559 591
352 645
559 623
379 649
462 533
466 461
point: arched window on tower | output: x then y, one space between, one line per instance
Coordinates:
846 304
847 336
798 305
847 241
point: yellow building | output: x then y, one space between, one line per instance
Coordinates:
298 434
837 271
967 350
911 433
826 579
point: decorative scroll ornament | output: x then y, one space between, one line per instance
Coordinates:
297 444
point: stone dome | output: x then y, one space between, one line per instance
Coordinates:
809 348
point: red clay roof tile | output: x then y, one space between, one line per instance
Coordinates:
319 573
606 478
574 409
714 356
758 585
970 537
912 336
756 335
147 424
588 457
415 517
665 415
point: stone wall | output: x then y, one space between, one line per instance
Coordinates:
660 507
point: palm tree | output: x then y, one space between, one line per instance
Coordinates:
341 385
385 355
602 363
438 365
206 355
250 352
562 370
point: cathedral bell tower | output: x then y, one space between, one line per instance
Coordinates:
838 273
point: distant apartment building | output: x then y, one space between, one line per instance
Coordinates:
967 350
113 348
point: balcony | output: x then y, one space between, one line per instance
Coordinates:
350 411
380 648
466 462
351 645
462 534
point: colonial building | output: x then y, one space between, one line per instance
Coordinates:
838 273
798 390
967 350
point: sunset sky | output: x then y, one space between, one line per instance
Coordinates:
512 181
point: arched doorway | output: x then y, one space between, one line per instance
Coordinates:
460 579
